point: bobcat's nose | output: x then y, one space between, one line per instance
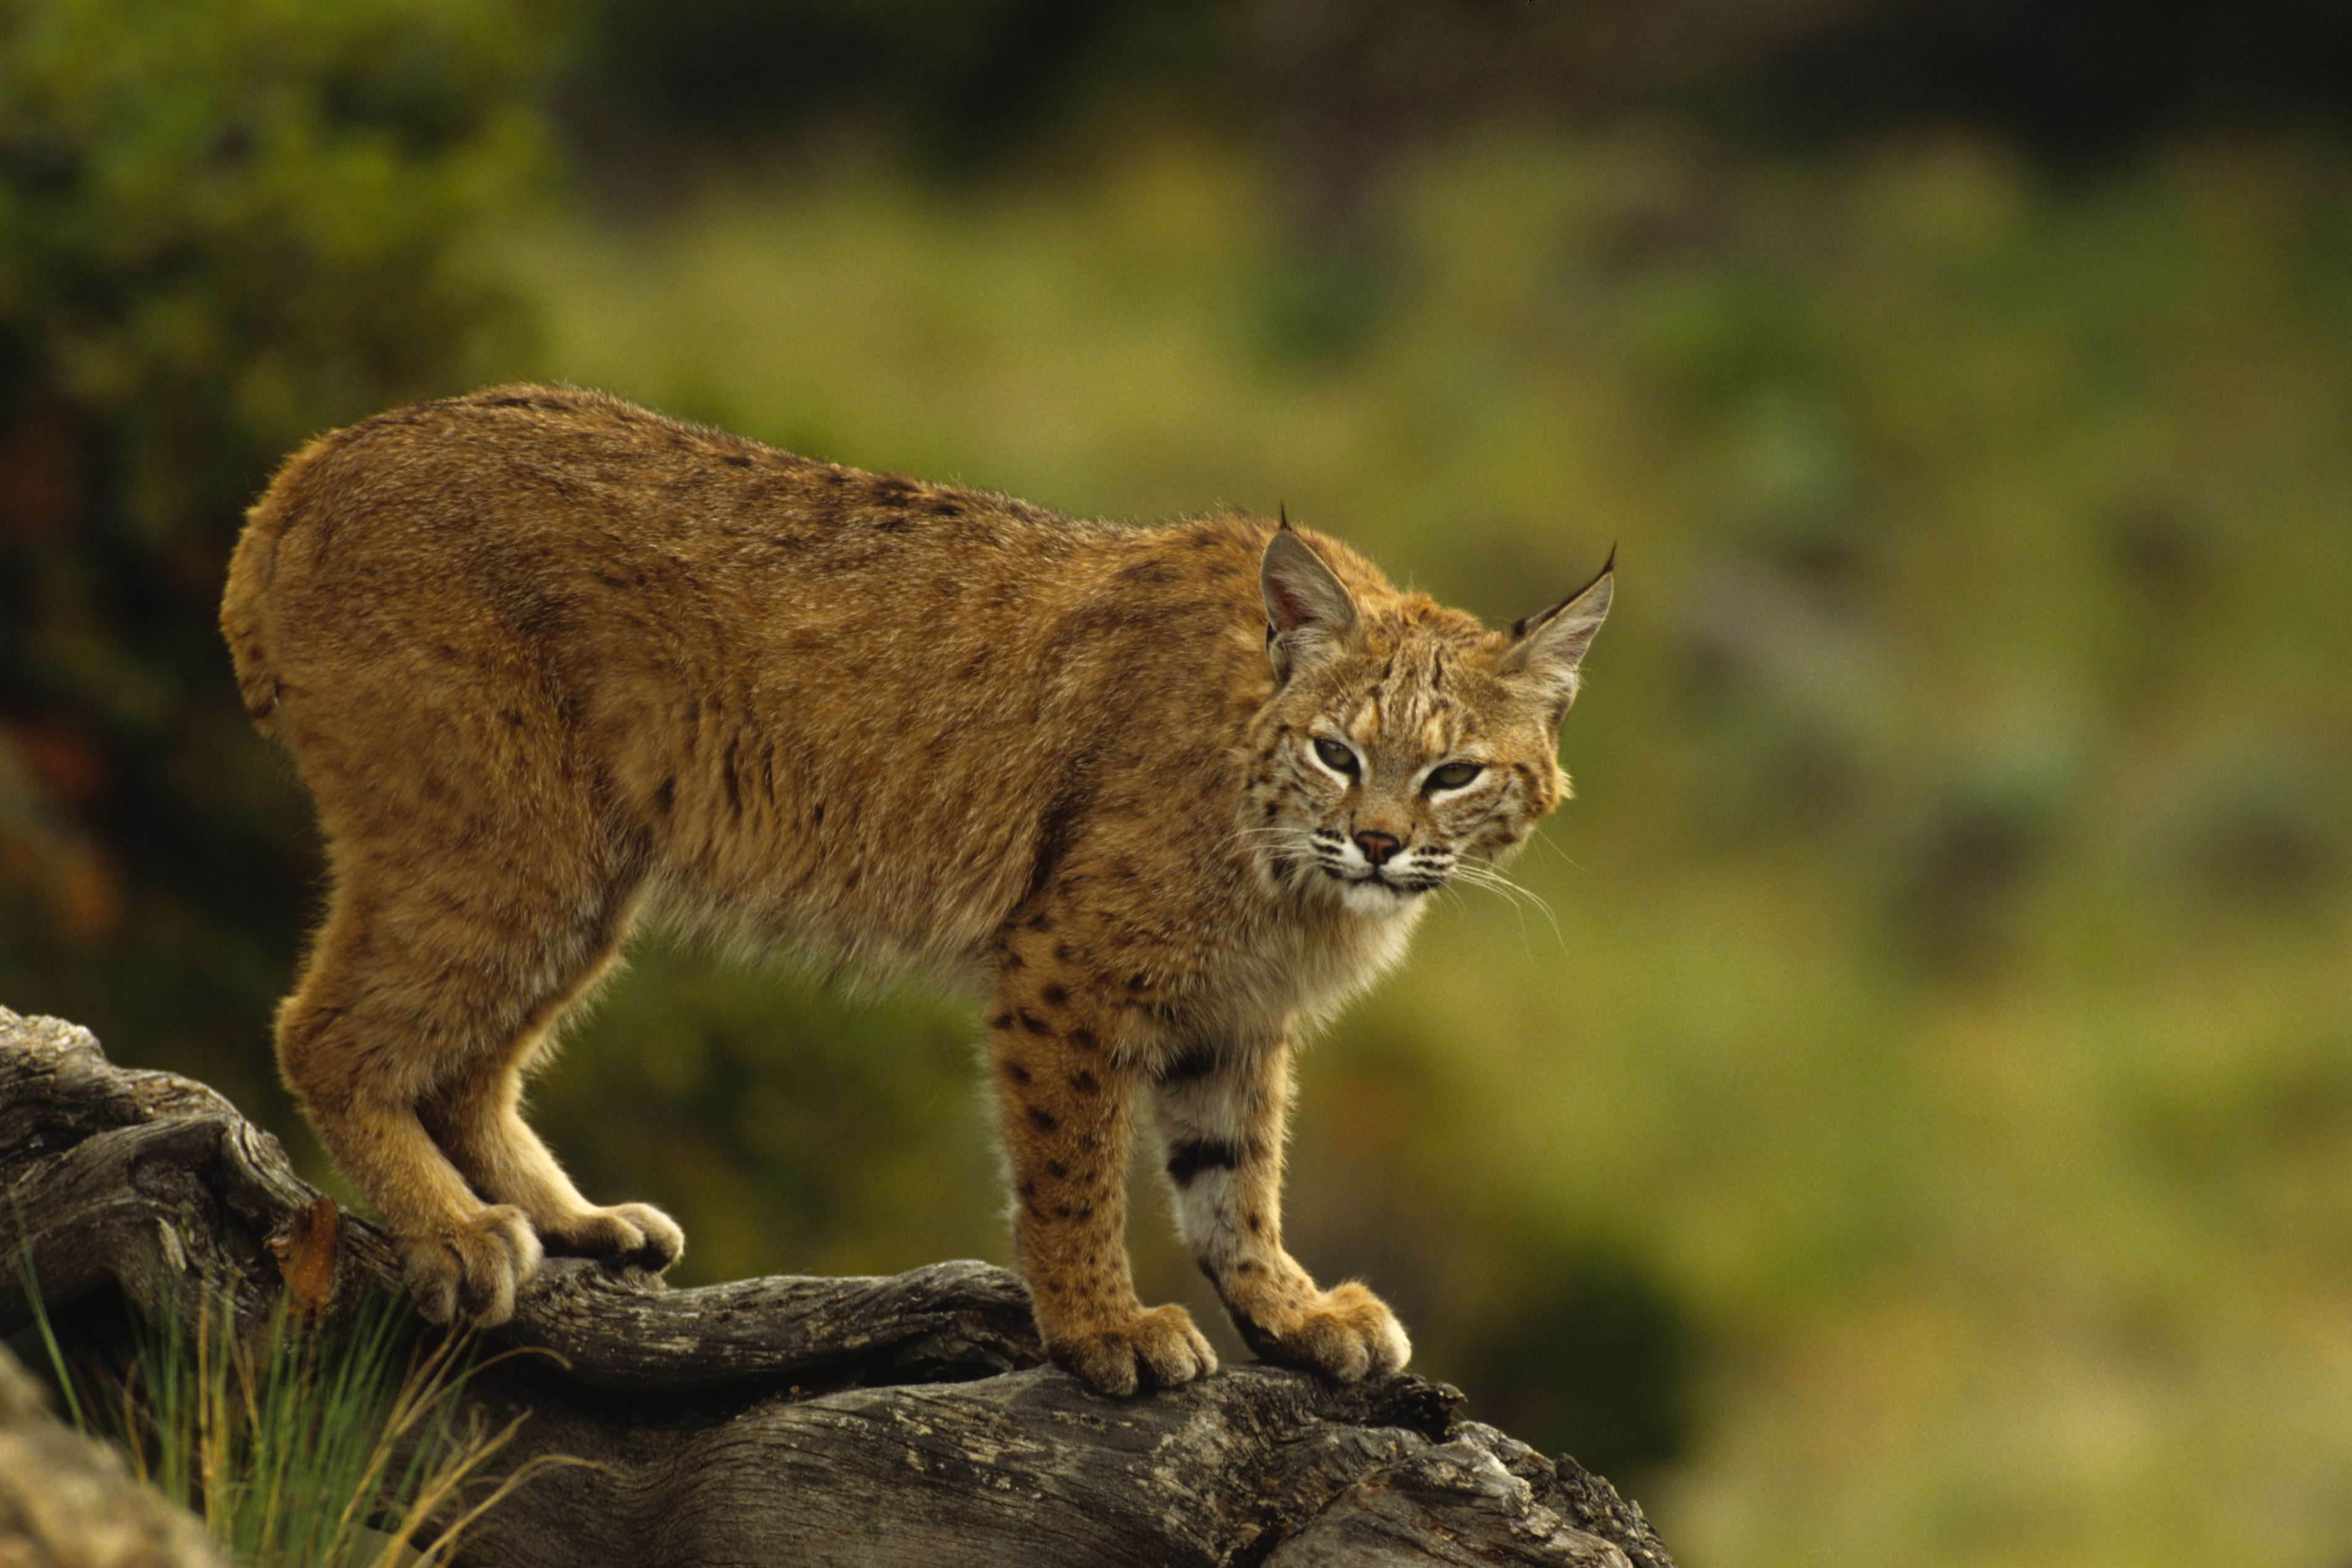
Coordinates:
1377 846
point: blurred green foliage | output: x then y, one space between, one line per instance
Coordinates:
223 228
1907 1122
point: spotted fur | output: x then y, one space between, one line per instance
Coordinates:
547 662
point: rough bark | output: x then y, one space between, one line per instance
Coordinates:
901 1420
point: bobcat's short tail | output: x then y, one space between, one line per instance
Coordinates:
247 618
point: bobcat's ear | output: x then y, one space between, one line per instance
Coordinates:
1308 610
1549 649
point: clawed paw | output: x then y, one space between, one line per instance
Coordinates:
1158 1349
633 1236
1345 1334
470 1274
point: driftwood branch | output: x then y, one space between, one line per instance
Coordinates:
901 1420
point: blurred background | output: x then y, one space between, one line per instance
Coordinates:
1909 1122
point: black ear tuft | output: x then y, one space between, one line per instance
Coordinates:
1549 648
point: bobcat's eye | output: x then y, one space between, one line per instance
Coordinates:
1452 775
1337 757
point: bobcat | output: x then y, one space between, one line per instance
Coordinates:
547 661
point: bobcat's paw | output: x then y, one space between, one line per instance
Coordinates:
1345 1334
635 1236
1158 1349
469 1274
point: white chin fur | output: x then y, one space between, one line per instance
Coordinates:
1368 896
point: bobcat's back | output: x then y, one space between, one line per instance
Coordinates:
864 711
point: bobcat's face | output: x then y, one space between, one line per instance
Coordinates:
1401 763
1401 743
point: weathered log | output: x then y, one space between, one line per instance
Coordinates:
902 1420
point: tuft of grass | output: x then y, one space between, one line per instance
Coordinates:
306 1450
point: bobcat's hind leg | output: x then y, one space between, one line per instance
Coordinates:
477 1121
476 1118
1223 1115
406 1041
361 1048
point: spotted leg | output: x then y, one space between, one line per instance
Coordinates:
1065 1103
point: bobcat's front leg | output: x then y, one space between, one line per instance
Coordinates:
1223 1114
1065 1100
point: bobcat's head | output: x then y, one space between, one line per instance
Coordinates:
1402 738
